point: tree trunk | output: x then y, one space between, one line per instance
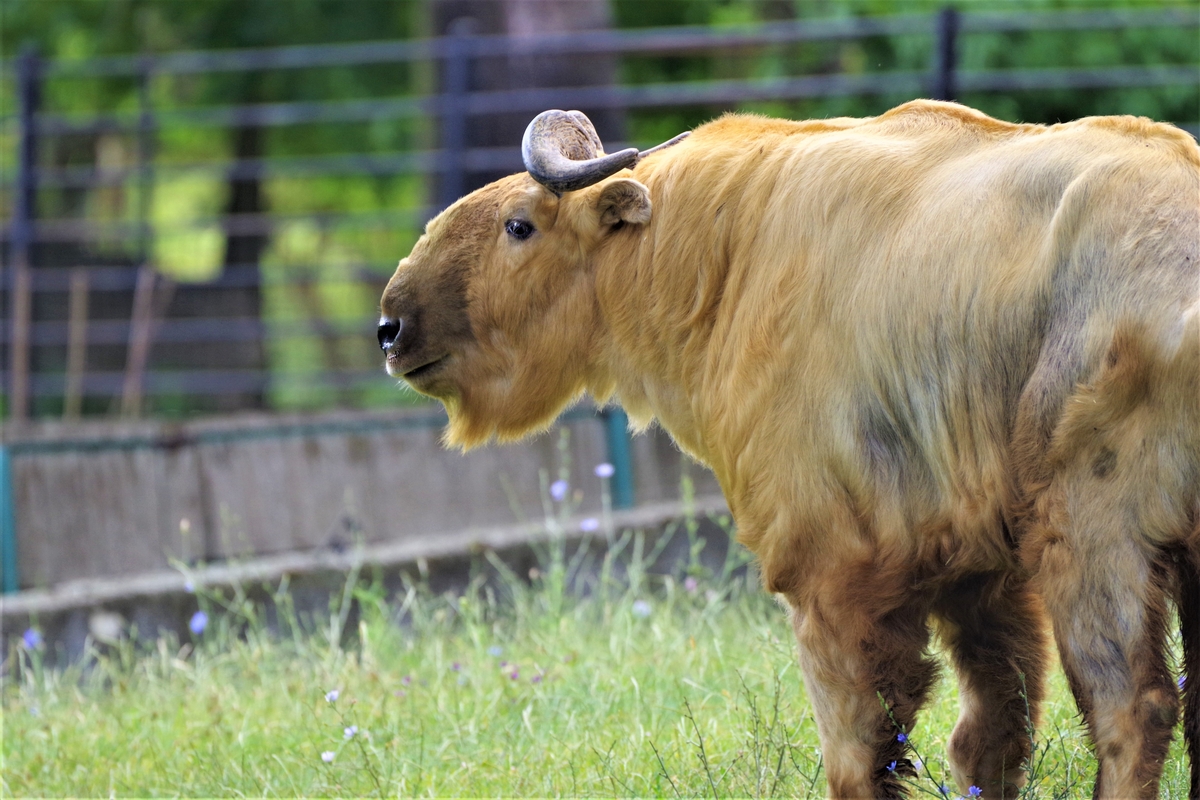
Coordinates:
519 18
235 295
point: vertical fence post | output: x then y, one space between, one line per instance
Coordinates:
616 430
77 324
9 576
22 235
141 322
456 77
145 155
947 34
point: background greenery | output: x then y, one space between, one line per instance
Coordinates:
344 233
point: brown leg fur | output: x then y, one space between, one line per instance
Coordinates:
852 652
1117 498
1109 612
993 626
1189 623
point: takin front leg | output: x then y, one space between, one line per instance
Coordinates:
1108 606
867 675
993 627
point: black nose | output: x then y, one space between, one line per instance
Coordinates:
389 330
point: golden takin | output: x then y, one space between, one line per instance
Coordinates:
945 368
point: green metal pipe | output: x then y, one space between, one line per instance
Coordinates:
616 425
9 575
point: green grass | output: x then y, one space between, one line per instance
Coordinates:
641 687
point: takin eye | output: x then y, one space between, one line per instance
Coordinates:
519 229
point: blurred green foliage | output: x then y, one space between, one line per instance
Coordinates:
343 233
914 53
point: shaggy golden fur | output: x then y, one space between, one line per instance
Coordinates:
945 368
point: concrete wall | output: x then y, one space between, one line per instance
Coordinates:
104 499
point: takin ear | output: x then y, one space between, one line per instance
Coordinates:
623 200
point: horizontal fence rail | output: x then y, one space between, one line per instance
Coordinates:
644 96
648 41
102 306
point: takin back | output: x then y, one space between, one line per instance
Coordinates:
945 368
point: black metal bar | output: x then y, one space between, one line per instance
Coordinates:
357 164
664 94
947 33
680 39
1103 78
145 157
202 329
260 115
485 159
204 382
278 114
123 279
78 230
29 98
652 40
727 93
1099 19
456 76
22 234
249 59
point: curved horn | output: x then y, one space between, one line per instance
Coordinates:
563 153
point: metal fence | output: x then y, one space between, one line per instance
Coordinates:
124 291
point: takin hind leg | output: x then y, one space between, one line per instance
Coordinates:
867 675
1188 603
1109 610
993 627
1116 498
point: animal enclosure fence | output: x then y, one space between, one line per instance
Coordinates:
172 252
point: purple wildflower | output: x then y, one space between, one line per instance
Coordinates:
406 680
604 470
558 490
32 639
975 791
332 695
456 667
691 584
589 525
536 678
892 767
1182 681
350 732
495 650
198 623
327 756
641 609
516 674
902 738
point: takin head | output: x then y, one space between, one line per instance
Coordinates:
494 313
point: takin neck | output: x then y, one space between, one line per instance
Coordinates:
671 294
